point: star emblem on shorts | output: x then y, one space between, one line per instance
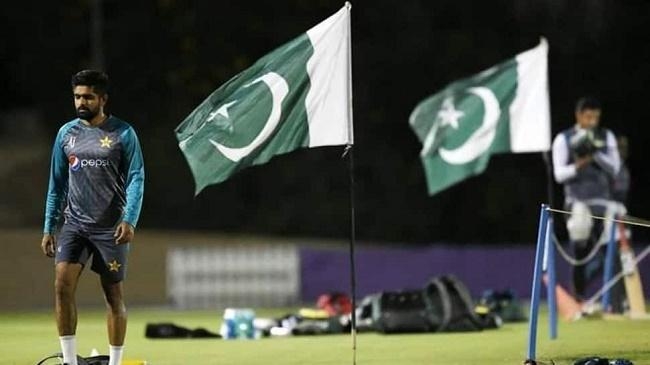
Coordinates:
114 266
105 142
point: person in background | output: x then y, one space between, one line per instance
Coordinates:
585 160
621 181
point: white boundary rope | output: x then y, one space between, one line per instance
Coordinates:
617 277
573 261
594 251
633 221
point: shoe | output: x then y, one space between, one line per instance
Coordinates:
620 362
589 309
592 361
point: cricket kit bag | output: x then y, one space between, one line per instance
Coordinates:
57 359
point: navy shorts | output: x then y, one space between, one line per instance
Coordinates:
109 259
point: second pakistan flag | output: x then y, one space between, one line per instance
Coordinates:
502 109
296 96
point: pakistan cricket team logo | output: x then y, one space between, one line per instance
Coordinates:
105 142
114 265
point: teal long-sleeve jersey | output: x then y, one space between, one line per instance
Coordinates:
96 176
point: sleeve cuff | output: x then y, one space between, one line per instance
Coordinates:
132 222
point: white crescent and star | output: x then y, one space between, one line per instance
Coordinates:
476 145
279 89
481 140
223 111
448 114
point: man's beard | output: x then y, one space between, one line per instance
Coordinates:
86 114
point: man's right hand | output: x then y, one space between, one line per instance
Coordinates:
48 244
583 161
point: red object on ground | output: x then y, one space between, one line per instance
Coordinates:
335 304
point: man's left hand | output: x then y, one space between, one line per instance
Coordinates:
124 233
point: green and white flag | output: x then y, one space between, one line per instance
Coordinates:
297 96
502 109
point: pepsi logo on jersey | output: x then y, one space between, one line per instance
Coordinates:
77 163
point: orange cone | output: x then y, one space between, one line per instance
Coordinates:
567 306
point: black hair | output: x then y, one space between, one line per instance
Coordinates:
587 102
92 78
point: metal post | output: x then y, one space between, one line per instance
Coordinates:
550 271
537 281
609 265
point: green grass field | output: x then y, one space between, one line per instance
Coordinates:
25 337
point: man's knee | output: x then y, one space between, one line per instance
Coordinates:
114 300
66 278
117 309
115 304
63 287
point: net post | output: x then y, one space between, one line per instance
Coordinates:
609 265
551 283
537 281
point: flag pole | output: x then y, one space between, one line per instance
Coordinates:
549 262
546 156
349 152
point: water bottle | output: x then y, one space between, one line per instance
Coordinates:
238 323
244 321
228 327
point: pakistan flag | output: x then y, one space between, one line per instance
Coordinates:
502 109
299 95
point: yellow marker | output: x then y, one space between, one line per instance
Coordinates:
313 313
134 362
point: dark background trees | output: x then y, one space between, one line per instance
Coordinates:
165 56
